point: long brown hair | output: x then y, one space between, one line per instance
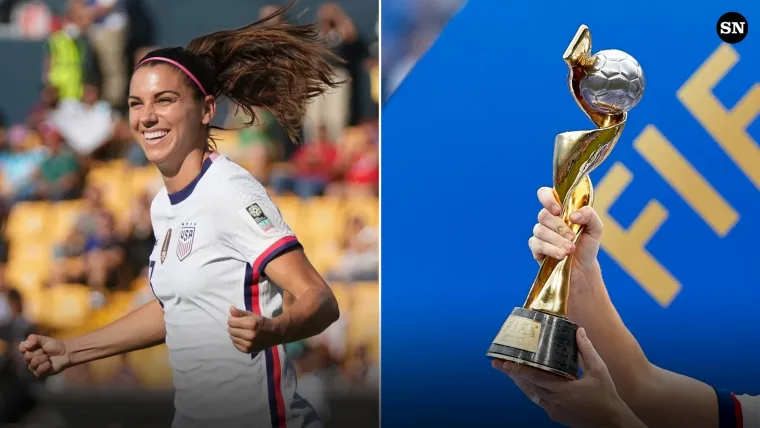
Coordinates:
275 66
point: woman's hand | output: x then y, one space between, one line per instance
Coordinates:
552 237
250 332
591 401
44 355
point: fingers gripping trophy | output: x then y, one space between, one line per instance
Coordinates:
606 86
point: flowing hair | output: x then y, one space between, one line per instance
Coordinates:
275 66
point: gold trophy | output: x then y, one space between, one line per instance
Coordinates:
606 86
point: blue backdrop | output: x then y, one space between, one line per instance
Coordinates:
468 139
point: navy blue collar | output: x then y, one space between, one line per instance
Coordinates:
183 194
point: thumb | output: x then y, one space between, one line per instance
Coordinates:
590 359
237 313
588 216
29 344
36 341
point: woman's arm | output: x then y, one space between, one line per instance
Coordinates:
314 308
660 398
141 328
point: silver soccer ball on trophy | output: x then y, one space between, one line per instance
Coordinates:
613 83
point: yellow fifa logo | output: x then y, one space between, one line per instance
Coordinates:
728 127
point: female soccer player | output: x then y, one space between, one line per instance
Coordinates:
658 397
223 256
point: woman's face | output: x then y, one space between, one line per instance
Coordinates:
165 117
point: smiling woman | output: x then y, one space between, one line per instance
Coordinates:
268 64
224 257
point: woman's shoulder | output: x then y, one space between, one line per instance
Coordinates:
233 187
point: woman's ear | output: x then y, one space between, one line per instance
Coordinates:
209 109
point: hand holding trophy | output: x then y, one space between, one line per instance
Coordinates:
606 86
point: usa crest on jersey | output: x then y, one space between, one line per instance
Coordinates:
185 241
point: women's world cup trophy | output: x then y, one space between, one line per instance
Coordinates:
606 86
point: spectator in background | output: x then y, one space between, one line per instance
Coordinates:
87 220
337 109
360 258
106 25
86 124
58 177
256 147
358 164
310 168
41 112
18 165
104 254
93 259
318 360
138 238
64 62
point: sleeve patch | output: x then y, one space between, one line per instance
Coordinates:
255 212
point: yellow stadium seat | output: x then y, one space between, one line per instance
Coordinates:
151 366
367 209
34 304
227 141
28 220
116 164
323 253
139 283
63 217
112 180
343 296
31 252
321 224
67 305
290 209
26 275
105 171
142 180
364 327
366 298
118 305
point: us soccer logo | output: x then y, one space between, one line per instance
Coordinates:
185 242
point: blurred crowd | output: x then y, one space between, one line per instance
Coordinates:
73 165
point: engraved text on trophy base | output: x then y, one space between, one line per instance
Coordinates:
520 333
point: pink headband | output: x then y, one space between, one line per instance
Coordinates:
178 65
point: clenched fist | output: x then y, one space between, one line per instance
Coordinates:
250 332
552 237
44 355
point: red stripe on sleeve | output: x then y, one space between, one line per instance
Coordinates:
738 412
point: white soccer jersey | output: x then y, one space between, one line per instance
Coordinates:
738 411
213 240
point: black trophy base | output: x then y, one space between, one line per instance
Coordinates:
539 340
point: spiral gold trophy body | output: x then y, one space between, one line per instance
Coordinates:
605 86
